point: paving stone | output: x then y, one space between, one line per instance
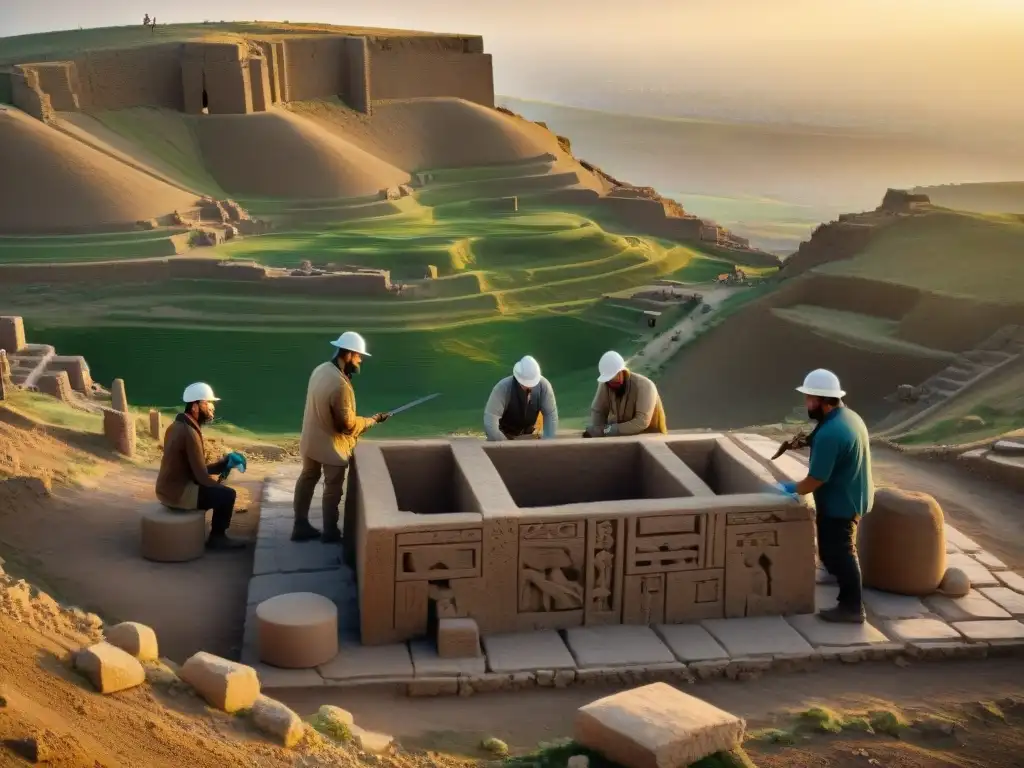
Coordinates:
690 642
1007 599
825 596
821 633
330 584
1005 629
295 557
962 542
527 651
264 561
970 607
976 572
989 560
757 636
270 511
1010 579
616 646
354 662
274 677
427 663
921 631
885 605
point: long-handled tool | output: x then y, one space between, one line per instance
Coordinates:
413 404
794 443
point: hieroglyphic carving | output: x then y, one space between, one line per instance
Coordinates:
415 538
749 518
769 569
643 600
695 595
411 607
445 600
667 543
604 571
551 567
430 562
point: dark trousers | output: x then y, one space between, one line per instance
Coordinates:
221 499
334 486
837 548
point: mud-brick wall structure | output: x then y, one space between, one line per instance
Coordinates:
252 75
646 530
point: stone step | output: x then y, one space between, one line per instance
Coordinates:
944 385
986 358
956 373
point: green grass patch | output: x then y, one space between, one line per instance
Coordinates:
888 721
85 248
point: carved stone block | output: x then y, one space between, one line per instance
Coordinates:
695 595
666 543
606 553
411 607
551 567
430 562
643 600
770 569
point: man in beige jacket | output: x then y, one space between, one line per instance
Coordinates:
330 429
625 403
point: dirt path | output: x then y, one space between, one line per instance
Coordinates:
81 545
658 351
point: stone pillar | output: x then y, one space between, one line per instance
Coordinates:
6 385
119 429
154 425
12 334
118 398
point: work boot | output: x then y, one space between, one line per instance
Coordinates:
841 615
221 542
331 536
303 531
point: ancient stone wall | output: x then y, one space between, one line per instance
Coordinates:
215 77
273 55
59 80
131 77
119 429
6 384
28 96
12 334
635 530
77 369
316 67
56 384
408 74
357 90
259 83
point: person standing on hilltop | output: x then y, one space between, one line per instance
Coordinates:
330 429
520 403
840 479
626 403
184 481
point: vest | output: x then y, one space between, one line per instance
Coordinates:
520 416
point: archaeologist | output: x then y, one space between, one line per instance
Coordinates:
839 477
626 403
184 481
518 402
330 429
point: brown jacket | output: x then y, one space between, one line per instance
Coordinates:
634 408
330 426
183 467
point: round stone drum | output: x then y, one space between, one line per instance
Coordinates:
297 630
902 544
172 536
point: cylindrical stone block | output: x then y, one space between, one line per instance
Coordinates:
902 544
297 630
172 536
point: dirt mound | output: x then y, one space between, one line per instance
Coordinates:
281 155
51 182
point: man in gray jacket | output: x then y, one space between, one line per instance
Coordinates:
520 403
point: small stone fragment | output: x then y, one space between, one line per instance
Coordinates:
224 684
275 719
458 639
109 668
578 761
134 638
955 583
371 741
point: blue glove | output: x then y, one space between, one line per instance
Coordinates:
788 488
235 460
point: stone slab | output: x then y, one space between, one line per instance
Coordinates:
331 584
976 572
284 556
379 662
995 630
989 560
822 633
970 607
1010 579
921 631
273 677
527 652
1010 601
427 663
618 645
690 642
757 636
962 542
885 605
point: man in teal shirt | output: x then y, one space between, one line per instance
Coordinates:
840 479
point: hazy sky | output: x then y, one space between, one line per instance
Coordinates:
938 58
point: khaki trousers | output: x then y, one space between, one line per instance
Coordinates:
305 487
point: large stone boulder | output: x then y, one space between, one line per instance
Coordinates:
226 685
656 726
902 544
109 668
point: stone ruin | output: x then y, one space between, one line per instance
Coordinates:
118 398
12 334
155 427
6 385
119 429
902 201
570 533
58 385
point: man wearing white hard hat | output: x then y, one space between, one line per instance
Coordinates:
519 402
839 476
184 481
626 403
330 429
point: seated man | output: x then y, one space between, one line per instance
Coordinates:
626 403
521 403
184 480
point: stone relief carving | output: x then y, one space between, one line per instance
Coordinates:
551 567
662 544
429 562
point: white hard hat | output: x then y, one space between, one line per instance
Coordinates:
527 372
610 364
197 392
821 383
351 342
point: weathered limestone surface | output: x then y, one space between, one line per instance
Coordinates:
901 543
12 334
691 642
457 639
275 719
888 606
527 651
226 685
760 636
822 634
992 631
118 397
921 631
119 429
155 427
656 726
297 630
979 575
974 605
109 668
134 638
616 646
172 536
1007 599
